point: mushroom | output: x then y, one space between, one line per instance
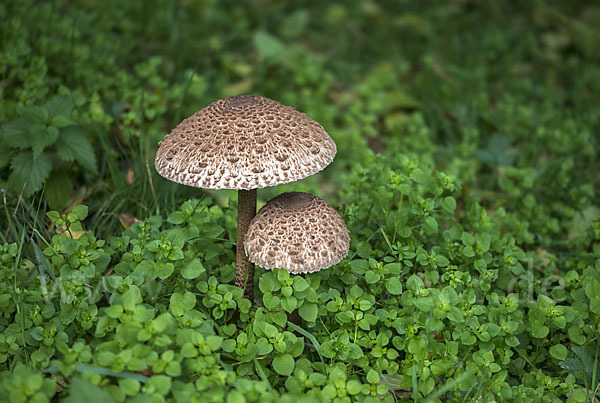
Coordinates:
298 232
245 143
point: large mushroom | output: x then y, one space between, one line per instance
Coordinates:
245 143
298 232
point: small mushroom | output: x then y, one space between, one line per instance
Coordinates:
245 143
298 232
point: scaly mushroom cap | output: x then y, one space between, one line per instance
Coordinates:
298 232
244 142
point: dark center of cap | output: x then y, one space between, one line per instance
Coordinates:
297 200
240 101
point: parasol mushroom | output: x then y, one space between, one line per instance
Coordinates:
245 143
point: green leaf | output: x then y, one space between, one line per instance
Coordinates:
53 215
353 387
372 277
394 286
270 301
114 311
364 250
176 217
41 138
61 121
36 114
268 46
539 330
559 352
162 383
211 231
163 270
268 283
131 298
188 350
441 261
365 304
235 397
81 211
360 266
29 171
82 391
6 154
270 330
284 364
424 304
214 342
308 311
129 386
467 238
59 105
356 291
244 305
58 189
372 376
417 346
579 395
181 303
16 133
430 225
72 145
448 204
300 284
192 269
263 346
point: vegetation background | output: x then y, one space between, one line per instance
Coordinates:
467 172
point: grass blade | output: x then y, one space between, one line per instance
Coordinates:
309 336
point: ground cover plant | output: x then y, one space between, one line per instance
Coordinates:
467 173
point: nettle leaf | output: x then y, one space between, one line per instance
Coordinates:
6 154
36 114
59 105
15 133
29 171
74 146
41 138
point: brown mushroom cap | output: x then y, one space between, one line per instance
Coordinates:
298 232
244 142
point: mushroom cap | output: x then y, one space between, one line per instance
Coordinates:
298 232
244 142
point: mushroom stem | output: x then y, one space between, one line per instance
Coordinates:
244 270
